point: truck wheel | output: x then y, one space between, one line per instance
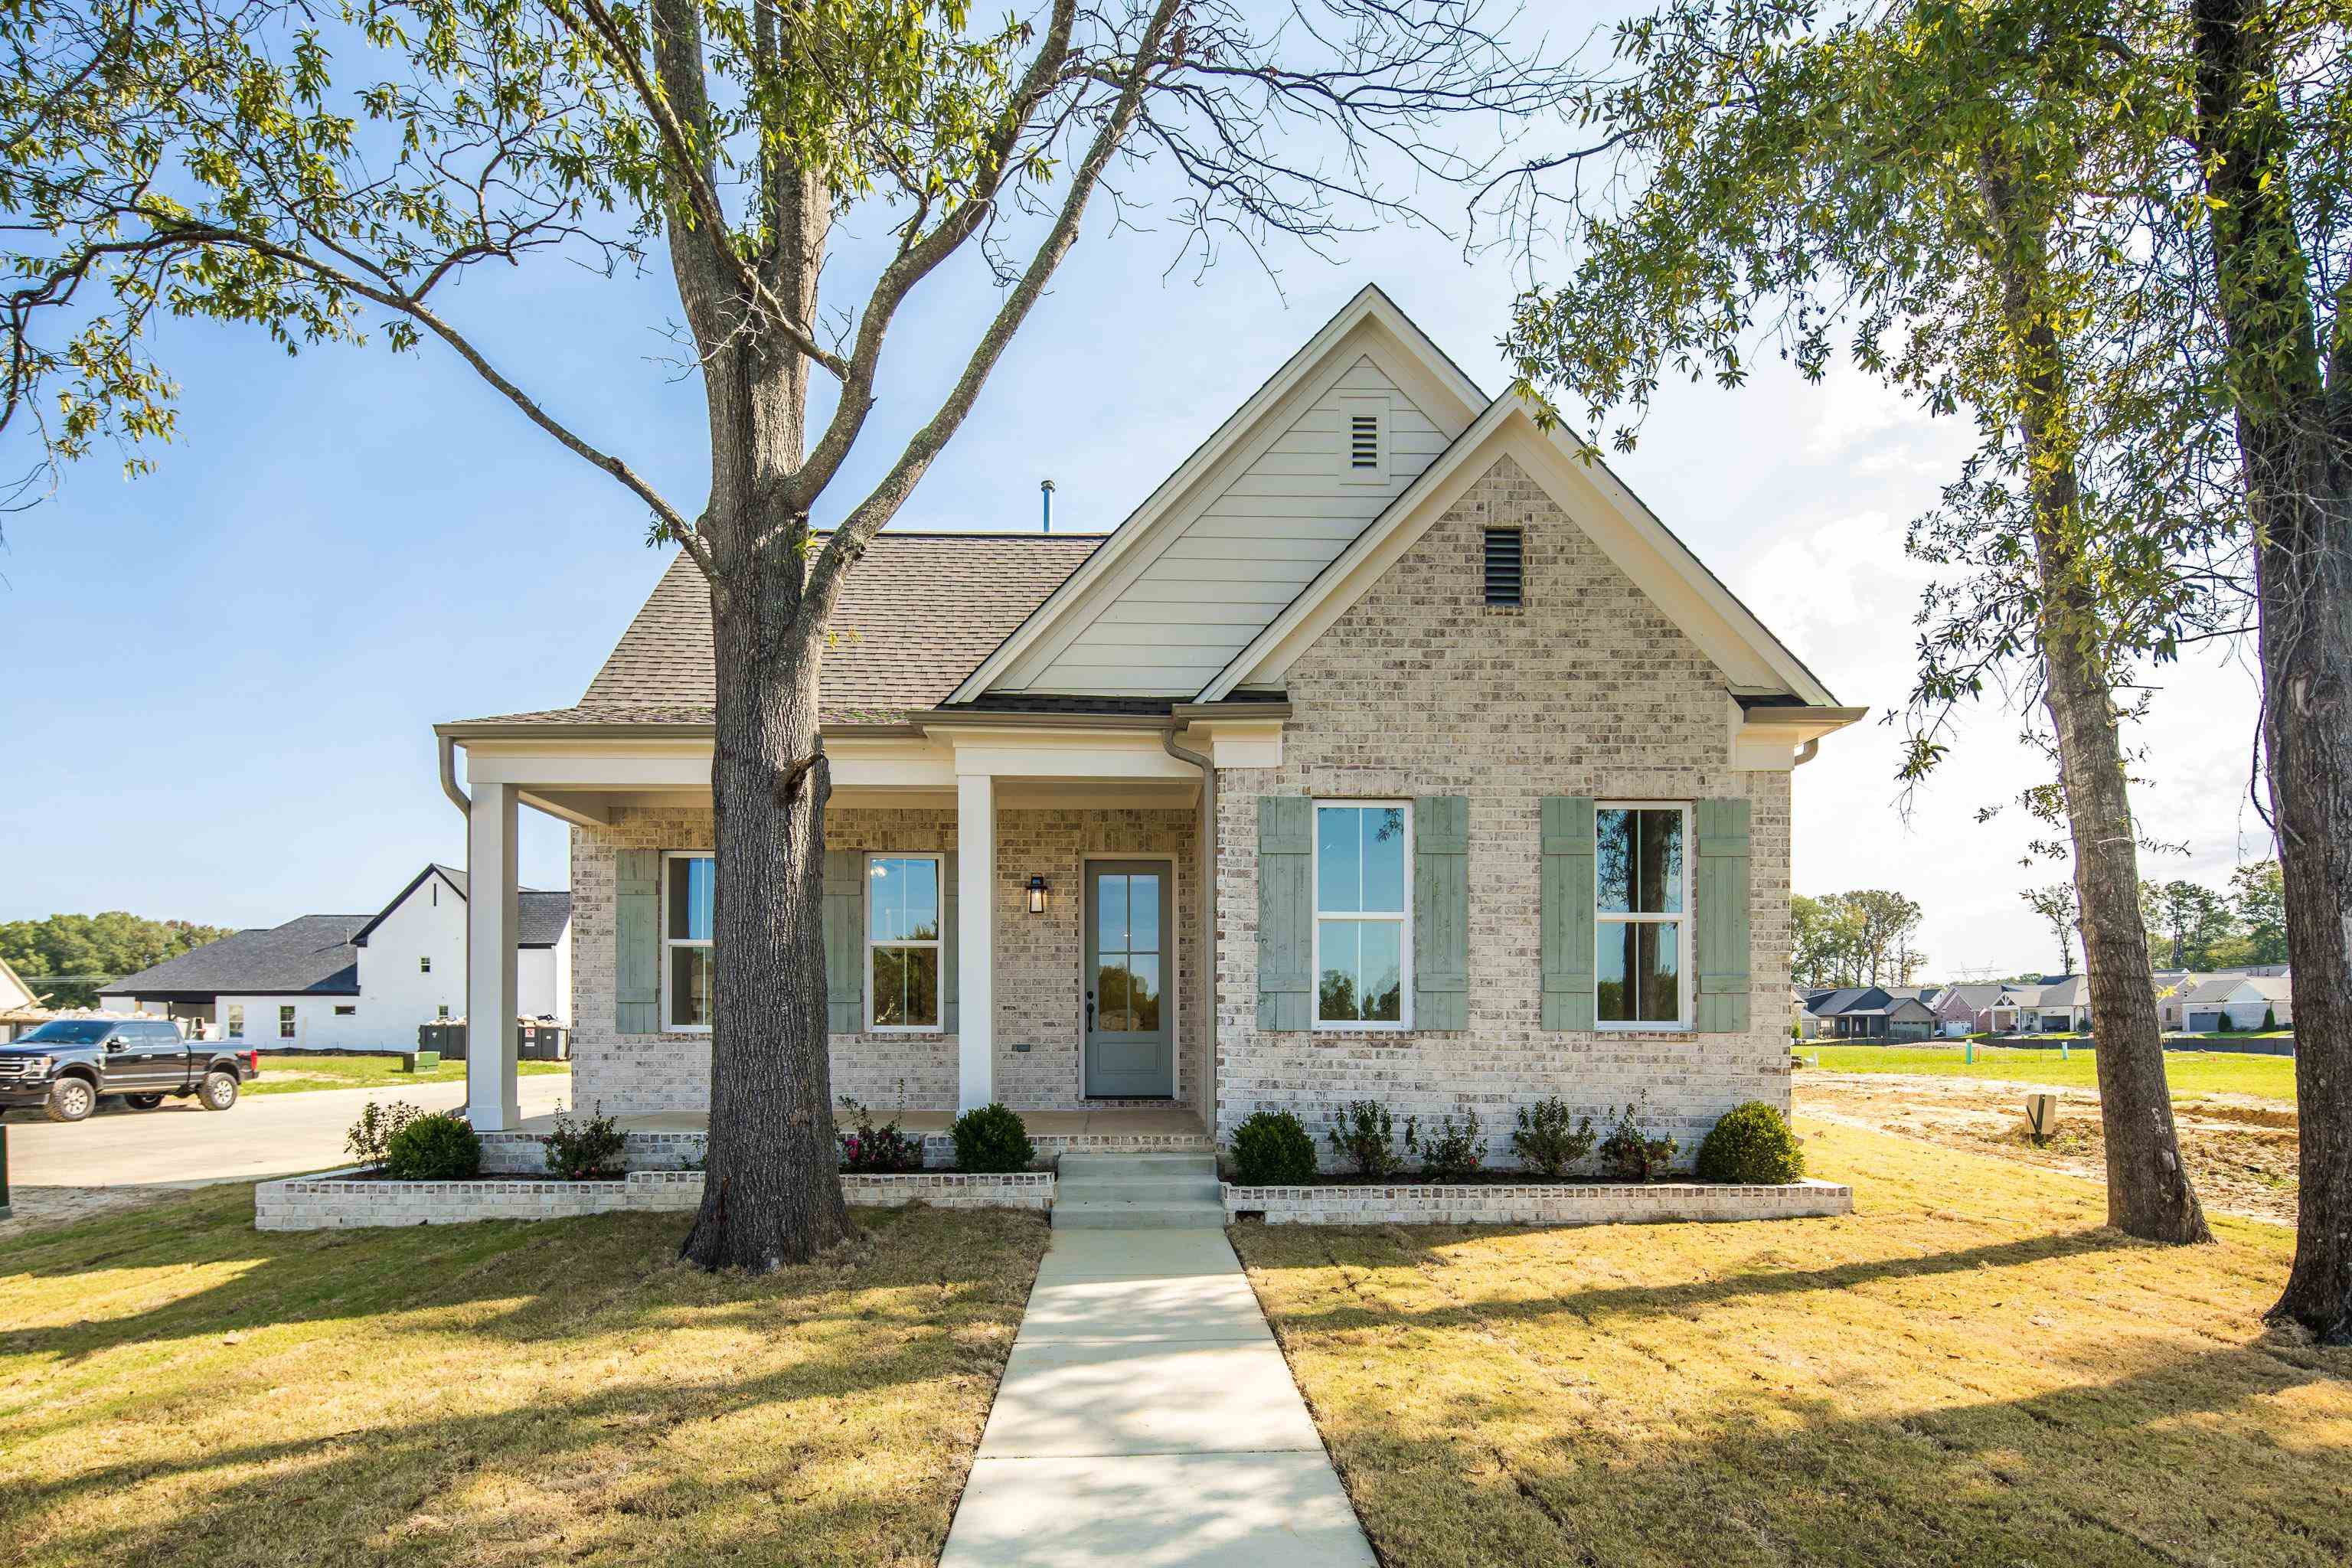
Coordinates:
72 1100
219 1091
142 1101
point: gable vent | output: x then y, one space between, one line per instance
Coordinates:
1505 568
1364 441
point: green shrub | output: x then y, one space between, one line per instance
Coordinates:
991 1140
1448 1154
1545 1143
2270 1018
2223 1025
1751 1145
433 1149
883 1149
1363 1134
366 1141
1271 1149
589 1151
1630 1152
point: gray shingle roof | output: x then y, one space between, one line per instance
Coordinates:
540 917
310 956
915 615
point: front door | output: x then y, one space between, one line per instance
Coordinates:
1129 961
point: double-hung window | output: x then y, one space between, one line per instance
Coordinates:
902 941
1363 952
688 973
285 1023
1642 916
236 1020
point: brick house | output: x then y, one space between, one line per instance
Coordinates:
1388 750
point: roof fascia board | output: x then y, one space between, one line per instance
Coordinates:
1427 371
359 938
1643 548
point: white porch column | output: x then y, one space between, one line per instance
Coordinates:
975 940
492 924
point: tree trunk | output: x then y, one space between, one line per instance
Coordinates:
2148 1192
2294 435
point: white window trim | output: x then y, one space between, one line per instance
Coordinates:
661 914
1315 917
938 943
1686 966
289 1022
235 1023
1350 410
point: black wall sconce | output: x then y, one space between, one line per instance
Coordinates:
1036 894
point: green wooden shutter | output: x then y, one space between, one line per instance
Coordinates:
1567 887
1285 911
1722 935
636 957
845 941
950 985
1441 911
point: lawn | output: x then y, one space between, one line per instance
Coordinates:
1968 1370
294 1073
2188 1072
175 1387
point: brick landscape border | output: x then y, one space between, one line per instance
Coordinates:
525 1153
337 1200
1545 1204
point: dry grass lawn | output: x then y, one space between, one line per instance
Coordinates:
1967 1370
177 1388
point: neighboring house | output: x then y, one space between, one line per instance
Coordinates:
353 982
2016 1011
1876 1012
20 1005
1387 750
1968 1009
2060 1005
2244 999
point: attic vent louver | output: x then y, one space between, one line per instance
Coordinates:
1505 568
1364 441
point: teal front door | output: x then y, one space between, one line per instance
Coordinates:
1129 961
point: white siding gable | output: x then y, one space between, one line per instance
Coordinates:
1233 566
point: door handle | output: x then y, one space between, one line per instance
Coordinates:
1090 1010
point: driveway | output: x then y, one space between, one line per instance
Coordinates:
177 1144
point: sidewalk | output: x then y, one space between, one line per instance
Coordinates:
1147 1418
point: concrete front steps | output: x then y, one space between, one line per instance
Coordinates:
1138 1191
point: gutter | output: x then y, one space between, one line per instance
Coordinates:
1206 835
449 775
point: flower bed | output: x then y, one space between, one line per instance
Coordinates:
357 1197
1409 1202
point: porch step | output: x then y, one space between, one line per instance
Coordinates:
1139 1192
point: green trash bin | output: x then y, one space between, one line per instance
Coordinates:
423 1061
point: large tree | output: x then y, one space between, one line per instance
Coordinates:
65 957
251 161
1929 180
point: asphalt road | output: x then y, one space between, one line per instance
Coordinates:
178 1144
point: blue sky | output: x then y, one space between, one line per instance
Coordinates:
221 679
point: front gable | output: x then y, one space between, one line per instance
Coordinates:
1249 520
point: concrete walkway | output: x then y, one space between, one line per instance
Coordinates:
1147 1418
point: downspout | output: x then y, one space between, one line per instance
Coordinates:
1206 833
449 779
458 799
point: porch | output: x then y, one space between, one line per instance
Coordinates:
672 1139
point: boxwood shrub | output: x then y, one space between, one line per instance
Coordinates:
433 1149
1751 1145
991 1140
1273 1149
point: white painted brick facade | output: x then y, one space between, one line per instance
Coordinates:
1421 688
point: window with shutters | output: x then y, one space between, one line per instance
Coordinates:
1363 442
902 943
1363 940
1505 568
688 971
1642 916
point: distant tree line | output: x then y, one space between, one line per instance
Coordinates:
1863 938
65 957
2192 926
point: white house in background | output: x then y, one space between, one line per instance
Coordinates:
2244 999
19 1008
355 981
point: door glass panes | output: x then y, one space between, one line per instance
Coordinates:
1640 972
1638 861
691 884
1129 985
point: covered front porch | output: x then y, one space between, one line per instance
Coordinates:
672 1139
1019 910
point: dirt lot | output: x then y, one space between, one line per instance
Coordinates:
2241 1150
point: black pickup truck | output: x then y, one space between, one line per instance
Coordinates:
67 1065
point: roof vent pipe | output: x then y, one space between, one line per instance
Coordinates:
1046 495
